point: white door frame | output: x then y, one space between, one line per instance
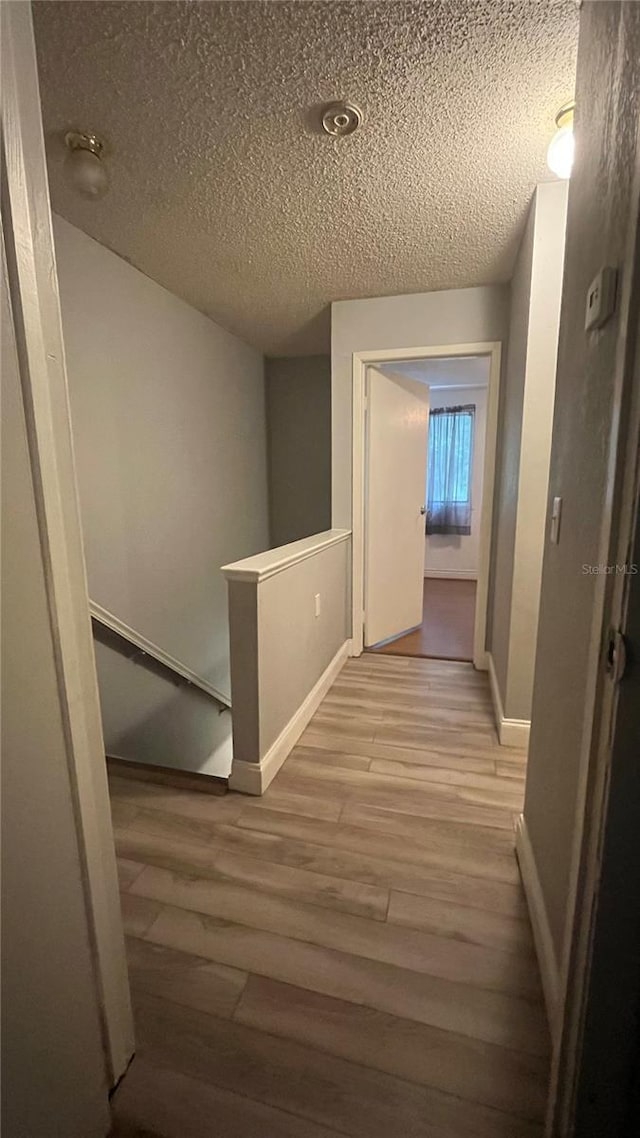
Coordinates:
361 360
34 295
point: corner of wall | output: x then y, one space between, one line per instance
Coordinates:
543 939
511 732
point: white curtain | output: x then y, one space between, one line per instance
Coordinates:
450 466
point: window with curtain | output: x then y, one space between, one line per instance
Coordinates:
450 467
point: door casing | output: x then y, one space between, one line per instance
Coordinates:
34 294
361 360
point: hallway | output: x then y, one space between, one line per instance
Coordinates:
349 954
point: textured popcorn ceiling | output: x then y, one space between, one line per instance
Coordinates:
225 191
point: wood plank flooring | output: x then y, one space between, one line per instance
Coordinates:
446 632
351 953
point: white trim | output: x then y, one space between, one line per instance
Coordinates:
254 778
545 949
148 648
29 234
511 732
360 361
450 575
486 516
272 561
458 386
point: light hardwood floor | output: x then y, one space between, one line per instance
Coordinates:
350 954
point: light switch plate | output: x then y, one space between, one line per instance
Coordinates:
601 298
556 514
317 604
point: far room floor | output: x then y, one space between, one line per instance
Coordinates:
446 632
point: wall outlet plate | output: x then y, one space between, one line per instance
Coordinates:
601 298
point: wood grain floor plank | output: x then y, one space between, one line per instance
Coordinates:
184 979
439 715
405 693
295 801
138 913
396 683
438 753
177 1106
425 833
332 758
227 860
360 728
494 790
473 683
170 827
136 795
128 870
187 803
409 948
493 1017
461 922
369 663
418 736
299 885
437 837
477 1072
511 765
379 872
439 801
437 845
328 1090
358 704
121 813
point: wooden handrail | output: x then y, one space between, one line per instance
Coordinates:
107 619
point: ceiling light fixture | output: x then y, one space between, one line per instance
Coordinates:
84 164
562 145
340 119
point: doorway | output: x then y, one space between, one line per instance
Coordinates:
425 425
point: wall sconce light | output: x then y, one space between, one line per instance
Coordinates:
562 145
84 164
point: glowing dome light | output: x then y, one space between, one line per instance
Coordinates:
84 165
562 146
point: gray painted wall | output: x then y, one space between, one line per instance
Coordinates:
53 1065
535 447
508 460
299 446
169 429
279 648
584 427
148 718
290 665
428 319
524 435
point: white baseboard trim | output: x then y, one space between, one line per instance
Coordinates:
511 732
451 574
254 778
545 949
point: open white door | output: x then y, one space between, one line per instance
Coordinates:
395 496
